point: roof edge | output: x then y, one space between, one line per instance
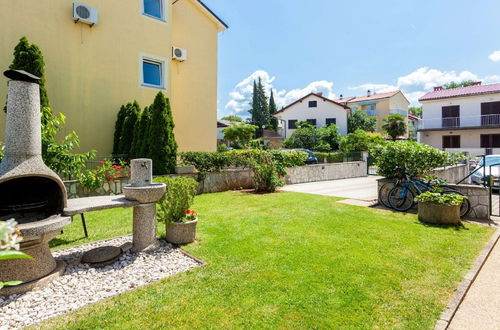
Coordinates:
222 25
306 96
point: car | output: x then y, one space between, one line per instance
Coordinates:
311 159
485 170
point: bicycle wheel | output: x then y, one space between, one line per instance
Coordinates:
465 207
383 193
401 198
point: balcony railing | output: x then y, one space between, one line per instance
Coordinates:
372 113
399 112
460 122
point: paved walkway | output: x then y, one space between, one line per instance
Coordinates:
361 189
480 308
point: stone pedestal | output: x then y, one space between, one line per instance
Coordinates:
144 231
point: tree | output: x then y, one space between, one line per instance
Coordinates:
361 141
133 111
239 136
360 120
29 57
416 111
122 114
329 137
303 137
453 84
162 144
140 147
260 110
272 110
395 125
233 118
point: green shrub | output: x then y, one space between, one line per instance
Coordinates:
329 157
322 139
267 176
361 120
162 147
418 159
177 199
361 140
240 135
440 198
205 161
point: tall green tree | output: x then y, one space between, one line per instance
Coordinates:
272 110
395 125
417 111
120 119
360 120
254 111
239 136
133 111
29 57
162 144
140 147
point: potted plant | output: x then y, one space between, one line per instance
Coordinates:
173 209
439 208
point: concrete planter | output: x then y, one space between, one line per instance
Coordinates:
181 232
185 169
438 214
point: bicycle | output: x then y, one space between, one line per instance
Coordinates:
402 197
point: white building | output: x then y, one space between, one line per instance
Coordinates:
462 119
315 109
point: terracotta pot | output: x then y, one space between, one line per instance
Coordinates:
438 214
181 232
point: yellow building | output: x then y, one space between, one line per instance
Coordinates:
127 55
379 105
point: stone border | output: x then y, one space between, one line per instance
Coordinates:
456 300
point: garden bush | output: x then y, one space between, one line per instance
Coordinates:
361 140
321 139
418 159
329 157
177 199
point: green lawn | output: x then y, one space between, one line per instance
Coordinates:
290 260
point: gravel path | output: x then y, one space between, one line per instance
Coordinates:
81 285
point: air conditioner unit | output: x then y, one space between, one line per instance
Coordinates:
85 14
179 54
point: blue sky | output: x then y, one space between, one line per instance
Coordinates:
347 47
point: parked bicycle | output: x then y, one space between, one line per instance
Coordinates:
401 197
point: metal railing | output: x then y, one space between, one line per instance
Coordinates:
372 113
462 121
399 112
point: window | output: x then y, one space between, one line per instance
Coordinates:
152 73
451 116
292 124
331 121
451 141
490 140
312 122
313 104
153 8
490 113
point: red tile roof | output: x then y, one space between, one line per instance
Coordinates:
377 96
459 92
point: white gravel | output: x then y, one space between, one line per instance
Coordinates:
81 285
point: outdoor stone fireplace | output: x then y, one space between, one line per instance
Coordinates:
30 192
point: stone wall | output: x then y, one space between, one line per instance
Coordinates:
76 190
325 172
453 174
479 198
231 179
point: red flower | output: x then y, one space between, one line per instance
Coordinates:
101 162
188 211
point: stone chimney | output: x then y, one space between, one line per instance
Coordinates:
476 83
438 88
369 93
319 93
341 96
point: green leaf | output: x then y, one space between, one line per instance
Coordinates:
7 255
10 283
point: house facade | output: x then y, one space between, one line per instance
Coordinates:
315 109
462 119
378 105
128 55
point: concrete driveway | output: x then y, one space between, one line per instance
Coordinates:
362 189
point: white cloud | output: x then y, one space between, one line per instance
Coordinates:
241 96
495 56
415 84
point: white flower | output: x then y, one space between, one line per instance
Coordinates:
9 235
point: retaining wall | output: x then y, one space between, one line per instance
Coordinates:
453 174
326 172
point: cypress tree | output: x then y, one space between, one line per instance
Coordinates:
143 136
122 114
262 114
162 144
272 110
255 105
127 135
28 57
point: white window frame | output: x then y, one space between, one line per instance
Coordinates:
163 11
163 70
